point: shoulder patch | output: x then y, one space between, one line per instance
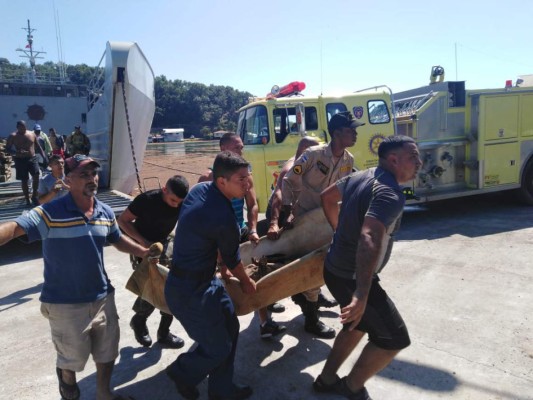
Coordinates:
297 169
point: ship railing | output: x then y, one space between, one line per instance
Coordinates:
27 77
96 84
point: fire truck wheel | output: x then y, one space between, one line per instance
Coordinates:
526 189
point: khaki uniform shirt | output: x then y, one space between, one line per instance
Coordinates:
314 171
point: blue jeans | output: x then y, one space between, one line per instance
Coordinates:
206 312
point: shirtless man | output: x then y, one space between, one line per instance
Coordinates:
22 144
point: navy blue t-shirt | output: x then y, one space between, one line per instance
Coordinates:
207 224
373 192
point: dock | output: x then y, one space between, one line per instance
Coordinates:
14 205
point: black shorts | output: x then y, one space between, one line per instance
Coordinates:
26 167
381 320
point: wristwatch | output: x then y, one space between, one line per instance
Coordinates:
252 231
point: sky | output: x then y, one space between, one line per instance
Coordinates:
334 46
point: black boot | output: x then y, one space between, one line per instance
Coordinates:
300 300
323 301
138 324
313 324
164 337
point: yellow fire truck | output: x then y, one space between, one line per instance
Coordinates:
471 141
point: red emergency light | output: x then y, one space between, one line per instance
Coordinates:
287 90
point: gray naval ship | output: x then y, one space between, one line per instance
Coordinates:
115 110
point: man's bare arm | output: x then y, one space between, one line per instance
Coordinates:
125 221
49 196
277 203
368 251
206 177
252 212
127 245
9 231
247 284
9 145
330 198
252 208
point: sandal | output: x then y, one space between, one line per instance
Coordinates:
67 392
321 387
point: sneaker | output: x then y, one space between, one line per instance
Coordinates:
276 308
321 387
270 328
344 390
325 302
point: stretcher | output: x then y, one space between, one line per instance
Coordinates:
305 245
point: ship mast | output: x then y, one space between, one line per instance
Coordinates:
29 53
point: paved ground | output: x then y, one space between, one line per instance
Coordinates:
461 274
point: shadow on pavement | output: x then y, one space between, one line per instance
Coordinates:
436 380
472 216
20 251
131 362
289 362
422 376
19 297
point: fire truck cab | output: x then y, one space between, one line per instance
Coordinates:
271 127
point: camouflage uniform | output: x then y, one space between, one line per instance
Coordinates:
78 143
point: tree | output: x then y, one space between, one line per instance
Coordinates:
195 106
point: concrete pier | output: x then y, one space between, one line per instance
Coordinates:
461 274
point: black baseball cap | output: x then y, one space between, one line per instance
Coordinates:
343 119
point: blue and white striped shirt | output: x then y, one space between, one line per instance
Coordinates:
72 249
